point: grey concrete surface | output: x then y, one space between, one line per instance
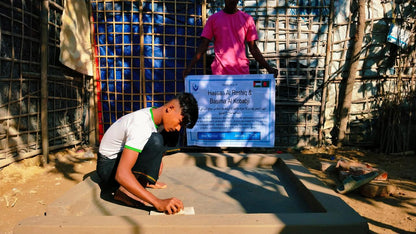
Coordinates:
230 193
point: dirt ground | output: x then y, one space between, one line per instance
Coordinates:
392 214
26 188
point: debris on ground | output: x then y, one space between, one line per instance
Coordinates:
368 181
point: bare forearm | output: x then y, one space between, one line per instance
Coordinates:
194 60
130 183
125 177
202 48
254 50
260 59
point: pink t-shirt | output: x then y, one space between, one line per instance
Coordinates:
230 31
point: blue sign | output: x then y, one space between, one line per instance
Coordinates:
234 110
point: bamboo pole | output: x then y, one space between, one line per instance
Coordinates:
327 71
204 20
44 80
142 71
349 84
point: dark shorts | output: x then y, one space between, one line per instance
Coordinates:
147 165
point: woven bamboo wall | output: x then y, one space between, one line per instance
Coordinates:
292 38
20 84
140 64
298 37
385 71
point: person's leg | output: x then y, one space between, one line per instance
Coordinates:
149 163
106 170
123 195
147 170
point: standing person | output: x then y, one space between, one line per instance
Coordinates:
131 151
230 29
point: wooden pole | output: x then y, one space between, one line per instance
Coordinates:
44 79
349 84
142 71
327 71
204 20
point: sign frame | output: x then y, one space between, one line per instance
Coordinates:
234 110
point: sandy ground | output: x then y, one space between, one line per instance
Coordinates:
395 213
26 189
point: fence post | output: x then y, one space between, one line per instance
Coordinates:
44 79
327 72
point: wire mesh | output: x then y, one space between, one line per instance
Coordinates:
143 47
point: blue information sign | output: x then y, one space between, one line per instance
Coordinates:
234 110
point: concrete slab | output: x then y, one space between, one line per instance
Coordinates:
230 193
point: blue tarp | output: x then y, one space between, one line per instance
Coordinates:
170 33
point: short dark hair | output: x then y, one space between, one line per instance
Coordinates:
189 107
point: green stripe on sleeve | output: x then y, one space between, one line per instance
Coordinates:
131 148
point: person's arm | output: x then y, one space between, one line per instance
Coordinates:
126 178
255 51
202 48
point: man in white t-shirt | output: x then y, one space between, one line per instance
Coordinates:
131 151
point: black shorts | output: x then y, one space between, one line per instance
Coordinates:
147 164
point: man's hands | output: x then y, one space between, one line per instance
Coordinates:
169 206
137 191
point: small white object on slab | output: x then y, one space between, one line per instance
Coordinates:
186 211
